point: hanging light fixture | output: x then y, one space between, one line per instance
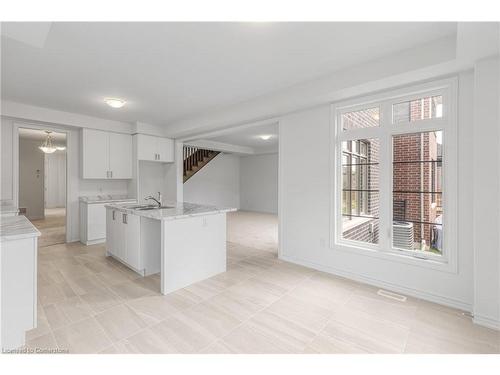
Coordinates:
47 145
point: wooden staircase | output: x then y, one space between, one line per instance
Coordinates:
196 158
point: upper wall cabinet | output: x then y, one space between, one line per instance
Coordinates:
155 148
106 155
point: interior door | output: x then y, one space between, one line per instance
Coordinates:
31 179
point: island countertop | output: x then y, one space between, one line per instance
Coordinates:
106 199
16 227
7 207
175 210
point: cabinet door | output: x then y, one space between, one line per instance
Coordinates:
110 232
95 154
96 221
147 147
133 242
166 149
121 231
120 155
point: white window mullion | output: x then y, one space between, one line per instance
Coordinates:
385 178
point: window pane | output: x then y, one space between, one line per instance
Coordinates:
418 109
365 118
417 191
360 197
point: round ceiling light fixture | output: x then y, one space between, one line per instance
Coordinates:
115 102
265 137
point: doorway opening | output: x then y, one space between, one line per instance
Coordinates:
243 174
42 183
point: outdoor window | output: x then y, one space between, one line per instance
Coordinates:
364 118
418 109
417 191
393 178
360 190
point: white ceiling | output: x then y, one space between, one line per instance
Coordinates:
168 71
250 137
58 138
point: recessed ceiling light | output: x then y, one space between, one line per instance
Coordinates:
265 137
114 102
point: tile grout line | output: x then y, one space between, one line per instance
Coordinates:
253 315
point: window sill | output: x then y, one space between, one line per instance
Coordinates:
443 264
354 222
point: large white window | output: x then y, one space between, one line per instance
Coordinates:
395 173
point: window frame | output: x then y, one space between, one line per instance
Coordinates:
361 199
447 88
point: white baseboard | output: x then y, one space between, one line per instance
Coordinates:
442 300
486 322
94 242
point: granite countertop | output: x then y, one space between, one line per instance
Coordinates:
7 207
16 227
105 198
179 210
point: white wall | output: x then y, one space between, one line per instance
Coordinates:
55 179
217 183
259 183
305 212
154 177
486 193
75 187
31 178
6 192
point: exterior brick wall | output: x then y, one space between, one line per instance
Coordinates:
366 232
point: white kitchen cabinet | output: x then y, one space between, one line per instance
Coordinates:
120 155
165 150
93 221
132 237
95 154
110 232
106 155
18 281
155 148
124 239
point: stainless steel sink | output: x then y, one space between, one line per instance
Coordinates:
137 206
144 208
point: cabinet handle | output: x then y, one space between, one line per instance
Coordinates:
111 172
124 218
114 215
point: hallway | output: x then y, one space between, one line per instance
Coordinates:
52 227
253 229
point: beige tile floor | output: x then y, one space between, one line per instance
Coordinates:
89 303
52 227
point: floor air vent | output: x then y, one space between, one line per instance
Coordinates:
391 295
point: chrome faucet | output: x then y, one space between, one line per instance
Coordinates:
158 201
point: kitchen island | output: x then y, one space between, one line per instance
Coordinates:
185 242
18 265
